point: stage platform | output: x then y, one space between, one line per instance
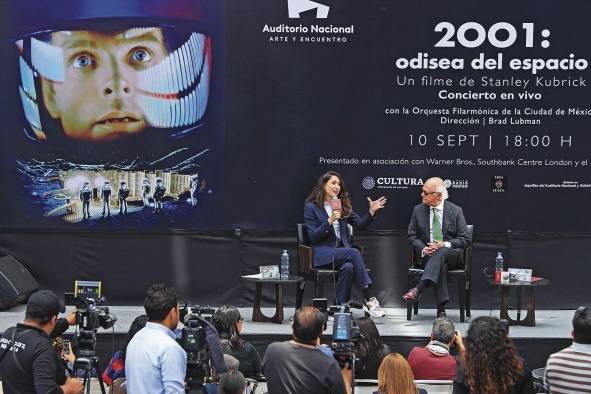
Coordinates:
551 333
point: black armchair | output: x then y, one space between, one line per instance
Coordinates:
307 270
462 276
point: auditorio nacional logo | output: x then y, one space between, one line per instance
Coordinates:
308 23
296 7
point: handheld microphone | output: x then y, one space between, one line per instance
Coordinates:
335 203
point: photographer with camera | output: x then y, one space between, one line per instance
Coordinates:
28 363
434 362
298 366
154 361
63 323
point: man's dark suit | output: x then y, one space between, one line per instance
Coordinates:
455 231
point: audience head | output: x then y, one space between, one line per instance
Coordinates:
370 342
444 330
491 362
231 382
137 324
232 363
57 344
395 376
308 323
161 305
228 322
582 325
43 307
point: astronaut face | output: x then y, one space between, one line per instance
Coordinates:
98 98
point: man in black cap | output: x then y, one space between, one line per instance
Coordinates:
27 361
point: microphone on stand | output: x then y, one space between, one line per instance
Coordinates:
335 204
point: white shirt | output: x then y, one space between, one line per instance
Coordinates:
335 224
154 362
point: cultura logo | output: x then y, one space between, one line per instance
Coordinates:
296 7
368 182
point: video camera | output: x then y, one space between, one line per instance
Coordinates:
90 315
344 335
199 363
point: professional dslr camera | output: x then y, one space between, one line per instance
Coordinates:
199 363
90 316
344 335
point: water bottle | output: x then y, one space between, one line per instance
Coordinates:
284 267
498 267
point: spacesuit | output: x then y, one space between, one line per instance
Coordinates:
146 188
122 196
106 197
159 191
85 197
194 185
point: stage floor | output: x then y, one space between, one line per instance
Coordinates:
550 324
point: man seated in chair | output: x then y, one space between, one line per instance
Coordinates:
438 235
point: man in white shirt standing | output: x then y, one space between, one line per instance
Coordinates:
438 234
154 362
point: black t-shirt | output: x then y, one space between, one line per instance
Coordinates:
247 355
294 369
29 364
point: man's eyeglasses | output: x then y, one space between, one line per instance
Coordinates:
426 194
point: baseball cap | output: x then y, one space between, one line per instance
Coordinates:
44 303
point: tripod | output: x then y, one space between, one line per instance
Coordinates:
89 365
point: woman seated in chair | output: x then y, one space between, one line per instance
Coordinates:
491 364
370 349
228 323
395 377
327 213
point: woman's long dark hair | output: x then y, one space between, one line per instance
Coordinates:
491 364
318 195
225 320
137 324
370 342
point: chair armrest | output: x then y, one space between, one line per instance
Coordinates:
359 247
304 259
468 259
413 258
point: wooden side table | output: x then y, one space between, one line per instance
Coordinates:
530 318
257 314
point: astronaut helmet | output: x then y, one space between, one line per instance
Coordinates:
154 56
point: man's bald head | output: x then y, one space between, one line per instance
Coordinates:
434 191
436 183
307 324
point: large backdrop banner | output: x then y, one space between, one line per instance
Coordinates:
212 114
